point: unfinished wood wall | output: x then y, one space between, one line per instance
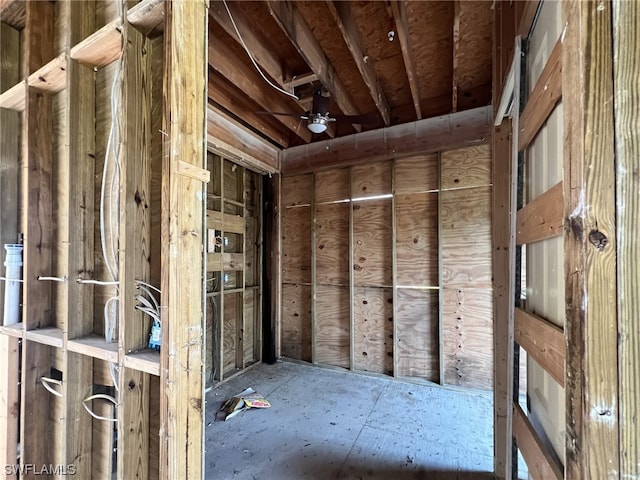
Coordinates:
386 268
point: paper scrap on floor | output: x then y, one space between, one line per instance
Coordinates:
246 399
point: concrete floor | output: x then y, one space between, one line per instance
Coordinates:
333 425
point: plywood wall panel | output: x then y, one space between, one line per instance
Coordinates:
373 330
467 328
372 243
466 167
332 244
332 324
466 237
297 190
332 185
296 321
371 180
296 245
416 174
417 331
417 239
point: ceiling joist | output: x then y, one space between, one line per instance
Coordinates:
293 25
402 30
222 59
344 18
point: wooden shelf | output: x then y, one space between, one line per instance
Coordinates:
14 98
148 17
15 330
94 346
52 77
229 262
145 361
51 336
100 48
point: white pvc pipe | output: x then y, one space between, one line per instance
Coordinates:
13 264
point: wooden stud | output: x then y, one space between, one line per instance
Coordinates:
9 401
543 341
526 13
13 13
539 460
394 276
181 368
351 278
79 181
591 385
543 98
503 297
626 16
456 53
541 218
314 292
440 278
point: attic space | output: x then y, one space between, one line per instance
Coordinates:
409 226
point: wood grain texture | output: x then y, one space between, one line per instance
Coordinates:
543 98
466 167
626 16
541 218
371 180
78 158
425 136
332 326
9 401
373 335
466 237
297 190
417 239
230 138
417 330
296 245
250 331
296 321
230 337
9 146
372 243
13 13
416 174
332 186
591 385
467 330
100 48
539 460
543 341
332 244
181 368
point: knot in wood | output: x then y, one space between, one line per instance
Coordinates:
598 239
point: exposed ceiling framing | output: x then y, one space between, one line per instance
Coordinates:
437 62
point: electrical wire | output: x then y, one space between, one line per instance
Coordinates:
47 382
100 396
246 49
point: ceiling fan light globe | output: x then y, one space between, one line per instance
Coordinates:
317 125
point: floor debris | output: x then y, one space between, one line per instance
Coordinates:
245 400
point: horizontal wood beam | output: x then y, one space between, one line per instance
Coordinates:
543 341
223 60
423 136
228 97
296 29
539 461
402 29
543 99
542 218
233 140
343 15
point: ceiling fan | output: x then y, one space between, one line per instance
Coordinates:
319 117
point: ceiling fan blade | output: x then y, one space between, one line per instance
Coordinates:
264 112
364 119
